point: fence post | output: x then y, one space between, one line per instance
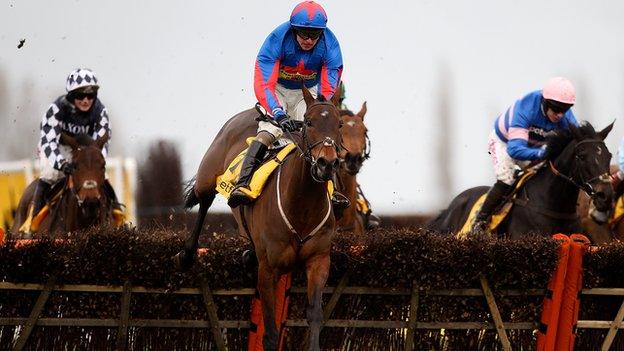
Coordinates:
212 314
412 319
498 320
34 314
124 316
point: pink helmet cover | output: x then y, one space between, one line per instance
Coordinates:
559 89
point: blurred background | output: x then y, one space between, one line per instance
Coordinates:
435 75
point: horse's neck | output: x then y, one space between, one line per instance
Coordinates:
553 192
348 187
302 198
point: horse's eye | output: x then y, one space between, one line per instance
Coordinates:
308 123
340 125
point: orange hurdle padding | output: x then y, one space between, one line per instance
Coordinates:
282 299
570 302
547 332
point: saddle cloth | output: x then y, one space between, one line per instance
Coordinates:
498 216
227 181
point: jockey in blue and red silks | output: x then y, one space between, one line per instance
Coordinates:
300 50
518 138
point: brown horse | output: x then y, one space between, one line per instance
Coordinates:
84 201
597 229
291 221
355 151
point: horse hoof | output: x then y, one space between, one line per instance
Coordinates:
182 261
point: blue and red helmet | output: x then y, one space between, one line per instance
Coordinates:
308 14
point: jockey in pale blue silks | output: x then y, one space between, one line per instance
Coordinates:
300 50
519 134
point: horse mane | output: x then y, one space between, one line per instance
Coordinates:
557 142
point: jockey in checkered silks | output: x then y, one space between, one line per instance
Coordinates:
300 50
519 135
77 112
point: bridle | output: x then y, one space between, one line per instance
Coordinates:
75 191
307 153
584 185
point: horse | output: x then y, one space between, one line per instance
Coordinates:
83 201
576 159
356 149
597 226
292 220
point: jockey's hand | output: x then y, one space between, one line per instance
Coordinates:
68 168
288 125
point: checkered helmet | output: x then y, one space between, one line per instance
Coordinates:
80 78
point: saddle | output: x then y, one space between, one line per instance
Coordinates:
501 213
273 158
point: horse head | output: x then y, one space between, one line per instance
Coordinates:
321 135
87 181
580 156
355 140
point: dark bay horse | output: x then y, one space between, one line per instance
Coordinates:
576 159
291 222
84 201
355 151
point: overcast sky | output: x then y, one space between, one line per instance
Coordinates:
179 69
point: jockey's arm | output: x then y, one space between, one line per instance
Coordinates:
50 136
101 128
332 67
266 72
518 145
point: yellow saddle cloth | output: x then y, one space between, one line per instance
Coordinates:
618 212
227 181
499 216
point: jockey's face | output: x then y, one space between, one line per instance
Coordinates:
307 43
85 103
554 116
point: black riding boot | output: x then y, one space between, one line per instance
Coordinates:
252 160
41 191
372 221
110 192
339 203
492 201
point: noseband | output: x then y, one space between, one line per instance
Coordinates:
75 191
584 185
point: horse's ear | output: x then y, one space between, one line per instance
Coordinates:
362 111
603 133
576 133
307 96
100 142
69 140
336 98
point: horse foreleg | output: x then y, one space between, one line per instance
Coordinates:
267 279
317 270
184 259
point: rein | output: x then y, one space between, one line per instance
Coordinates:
585 185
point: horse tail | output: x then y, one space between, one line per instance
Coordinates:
190 198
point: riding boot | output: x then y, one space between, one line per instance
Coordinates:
252 160
39 196
339 203
492 201
118 215
38 201
372 221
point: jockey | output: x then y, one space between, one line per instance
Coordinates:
617 177
300 50
518 137
77 112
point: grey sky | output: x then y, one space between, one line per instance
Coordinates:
179 70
